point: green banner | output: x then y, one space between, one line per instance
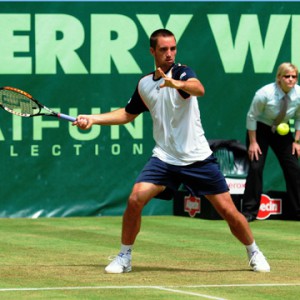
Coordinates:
86 57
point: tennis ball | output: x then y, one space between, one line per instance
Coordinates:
283 129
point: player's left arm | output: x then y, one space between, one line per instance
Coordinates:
191 86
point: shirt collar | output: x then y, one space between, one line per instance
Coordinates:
292 93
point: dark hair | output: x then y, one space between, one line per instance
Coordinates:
158 33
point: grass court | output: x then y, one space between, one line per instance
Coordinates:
174 258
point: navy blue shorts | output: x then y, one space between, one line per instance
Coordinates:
200 178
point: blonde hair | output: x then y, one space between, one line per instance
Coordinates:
285 68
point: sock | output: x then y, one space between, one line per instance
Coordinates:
126 249
251 249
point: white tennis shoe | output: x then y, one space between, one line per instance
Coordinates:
120 264
258 262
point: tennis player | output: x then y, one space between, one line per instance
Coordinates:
181 154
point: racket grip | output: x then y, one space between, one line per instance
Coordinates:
66 117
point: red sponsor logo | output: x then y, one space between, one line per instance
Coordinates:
192 205
269 207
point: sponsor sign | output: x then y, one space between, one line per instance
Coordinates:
236 185
192 205
87 56
268 207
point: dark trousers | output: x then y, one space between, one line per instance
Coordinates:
282 147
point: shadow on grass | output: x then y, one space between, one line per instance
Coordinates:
180 270
135 269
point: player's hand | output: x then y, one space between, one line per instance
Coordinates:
254 151
83 122
169 81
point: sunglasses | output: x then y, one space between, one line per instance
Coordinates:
288 76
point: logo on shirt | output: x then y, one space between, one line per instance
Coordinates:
192 205
182 75
269 207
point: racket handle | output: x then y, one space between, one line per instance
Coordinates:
66 117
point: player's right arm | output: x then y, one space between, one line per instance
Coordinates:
116 117
133 108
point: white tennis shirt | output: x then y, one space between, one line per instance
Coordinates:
177 128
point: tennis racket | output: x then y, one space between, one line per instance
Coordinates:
22 104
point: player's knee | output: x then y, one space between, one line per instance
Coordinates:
135 202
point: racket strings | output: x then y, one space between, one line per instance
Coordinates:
17 103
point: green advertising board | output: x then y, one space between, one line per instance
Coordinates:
86 57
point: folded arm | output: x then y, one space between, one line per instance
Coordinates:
191 86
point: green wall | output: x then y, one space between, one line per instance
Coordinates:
83 57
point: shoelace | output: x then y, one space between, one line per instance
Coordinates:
254 256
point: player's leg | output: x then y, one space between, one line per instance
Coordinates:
240 229
152 181
205 178
236 221
141 194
